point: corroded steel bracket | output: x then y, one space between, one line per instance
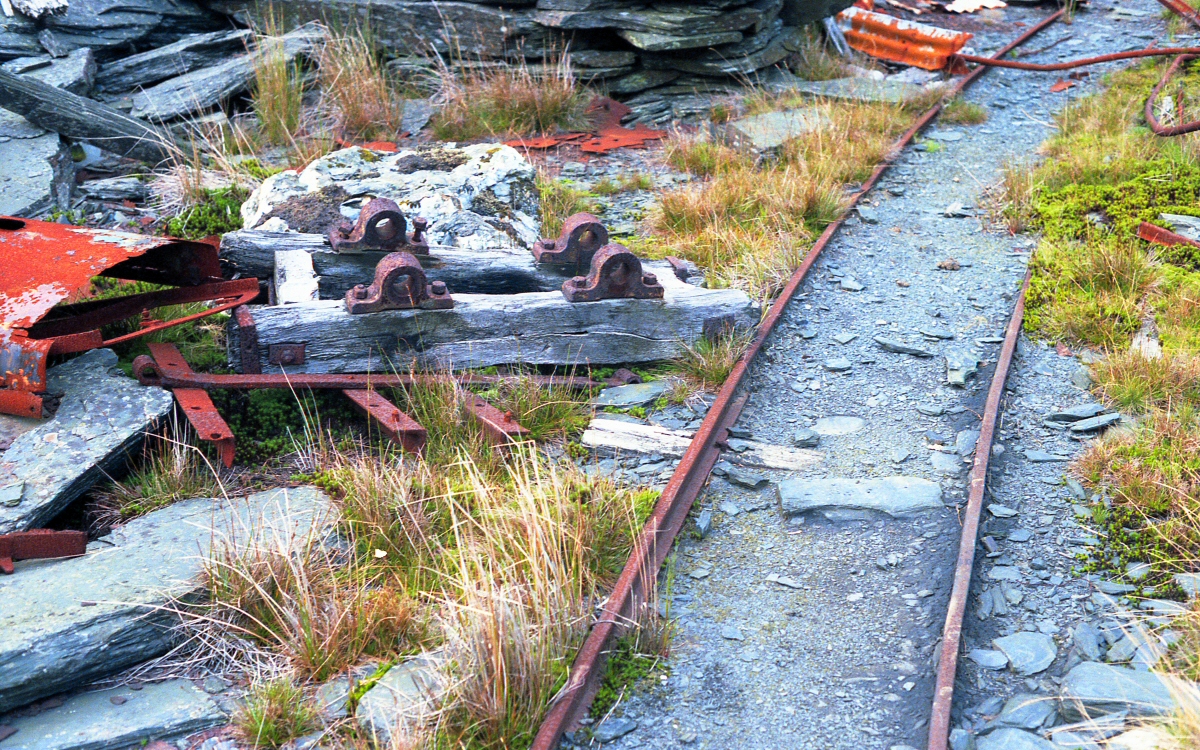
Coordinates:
500 427
399 284
581 236
398 426
43 265
380 226
615 273
39 544
195 403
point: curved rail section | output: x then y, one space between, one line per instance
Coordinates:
691 475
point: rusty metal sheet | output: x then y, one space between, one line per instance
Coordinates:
398 426
905 42
500 427
39 544
607 132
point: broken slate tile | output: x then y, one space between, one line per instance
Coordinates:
961 366
613 728
629 396
806 438
402 699
1076 413
704 523
729 508
851 284
1095 423
53 641
931 410
899 347
988 659
935 333
844 338
1041 457
731 633
1094 689
1000 511
842 499
744 479
160 710
1028 653
838 364
102 416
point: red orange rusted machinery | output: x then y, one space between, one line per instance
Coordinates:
44 264
905 42
39 544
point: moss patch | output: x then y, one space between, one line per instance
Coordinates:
218 213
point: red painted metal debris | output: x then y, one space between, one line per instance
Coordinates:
655 541
500 427
44 264
607 134
1061 85
1159 236
905 42
398 426
39 544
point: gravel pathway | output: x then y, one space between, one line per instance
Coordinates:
805 632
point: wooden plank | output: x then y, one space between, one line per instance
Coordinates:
483 330
251 252
618 437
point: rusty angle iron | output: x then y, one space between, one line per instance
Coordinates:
581 236
1159 236
44 264
380 226
39 544
905 42
615 273
399 284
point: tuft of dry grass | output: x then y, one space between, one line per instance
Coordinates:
962 112
510 100
706 365
356 86
1141 385
813 61
278 87
558 199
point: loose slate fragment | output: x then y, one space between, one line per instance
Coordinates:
843 499
899 347
961 366
1095 423
1076 413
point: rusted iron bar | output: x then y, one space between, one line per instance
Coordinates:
39 544
147 373
1134 54
1184 10
691 474
1152 120
943 694
398 426
1159 236
199 409
500 427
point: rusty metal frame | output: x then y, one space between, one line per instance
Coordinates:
39 544
499 426
1160 236
398 426
691 475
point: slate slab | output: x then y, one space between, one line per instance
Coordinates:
1008 738
629 396
844 499
1028 653
403 698
68 622
859 89
94 721
1092 689
102 415
769 131
1027 711
899 347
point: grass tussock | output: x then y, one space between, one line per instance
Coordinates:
558 199
274 713
707 364
278 91
1140 385
749 221
959 111
510 100
364 100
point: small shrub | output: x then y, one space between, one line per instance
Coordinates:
275 713
707 364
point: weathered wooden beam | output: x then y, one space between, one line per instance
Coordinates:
502 271
616 437
484 329
83 119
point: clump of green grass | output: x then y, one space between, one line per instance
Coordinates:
626 183
558 200
706 365
962 112
278 90
275 713
217 212
813 61
512 100
1142 385
355 84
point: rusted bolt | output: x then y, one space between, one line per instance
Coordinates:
420 224
438 287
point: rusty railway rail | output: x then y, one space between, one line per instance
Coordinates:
657 537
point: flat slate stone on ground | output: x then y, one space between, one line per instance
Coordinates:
1008 738
102 415
859 89
68 622
1028 653
843 499
1027 711
769 131
94 721
629 396
403 698
841 425
1093 689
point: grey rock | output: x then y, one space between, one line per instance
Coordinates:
1188 226
75 73
91 721
935 333
1004 573
1041 457
840 425
402 699
743 478
1189 582
844 338
1086 640
838 364
1075 488
731 633
1076 413
1020 535
945 463
704 523
841 499
333 698
729 509
1136 571
961 739
116 189
961 366
1027 711
35 173
1028 653
1081 378
805 438
158 64
956 210
214 685
899 347
102 415
965 441
854 89
1008 738
867 216
994 660
1092 688
767 132
68 622
931 410
1095 423
629 396
1115 587
652 42
107 26
613 728
1000 511
851 284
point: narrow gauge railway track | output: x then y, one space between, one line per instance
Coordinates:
691 475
